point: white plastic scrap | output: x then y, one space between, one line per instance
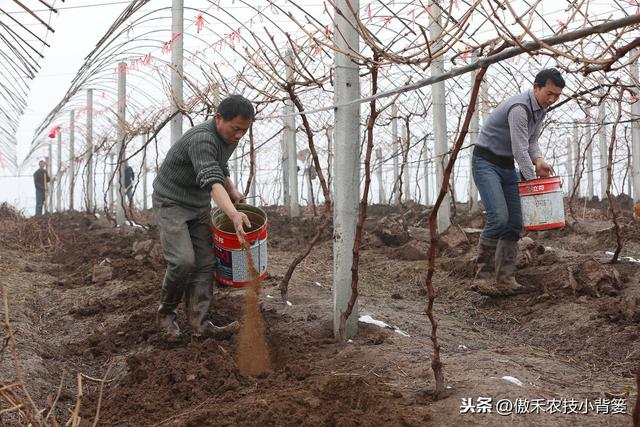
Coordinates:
463 347
289 303
513 380
133 224
269 296
370 320
624 258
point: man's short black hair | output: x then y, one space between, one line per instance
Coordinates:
236 105
549 74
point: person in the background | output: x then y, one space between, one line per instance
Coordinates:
194 171
510 133
129 176
41 182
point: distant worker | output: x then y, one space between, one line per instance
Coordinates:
129 176
41 182
194 171
510 133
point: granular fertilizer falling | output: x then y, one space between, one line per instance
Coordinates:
253 353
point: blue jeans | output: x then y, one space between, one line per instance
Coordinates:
498 188
40 195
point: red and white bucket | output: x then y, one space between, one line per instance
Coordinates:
231 262
542 204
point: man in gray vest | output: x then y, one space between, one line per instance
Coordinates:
510 133
194 171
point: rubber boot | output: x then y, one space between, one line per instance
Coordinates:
200 295
482 282
168 311
506 256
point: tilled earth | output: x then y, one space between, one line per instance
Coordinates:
82 297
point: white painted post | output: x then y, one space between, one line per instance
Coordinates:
59 174
235 169
122 164
382 197
330 159
177 29
347 164
254 181
292 149
635 128
577 156
72 157
604 154
145 138
569 166
474 129
439 113
589 155
407 164
90 173
284 161
114 179
427 177
49 207
396 154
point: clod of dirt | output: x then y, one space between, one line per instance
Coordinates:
102 273
454 237
419 233
526 243
622 310
592 278
412 251
391 231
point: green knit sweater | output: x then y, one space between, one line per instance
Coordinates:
193 164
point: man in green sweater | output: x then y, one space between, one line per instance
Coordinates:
195 171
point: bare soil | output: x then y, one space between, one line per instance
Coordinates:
572 337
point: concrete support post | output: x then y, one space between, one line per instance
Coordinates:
569 166
604 153
122 164
474 129
635 128
89 143
407 164
439 113
48 201
347 164
177 53
292 150
114 180
59 174
577 157
589 156
396 154
145 172
284 166
72 157
382 197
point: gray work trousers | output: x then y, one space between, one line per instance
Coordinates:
185 236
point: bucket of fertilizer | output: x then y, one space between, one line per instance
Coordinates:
542 205
232 268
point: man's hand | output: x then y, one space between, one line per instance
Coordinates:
543 169
239 219
236 196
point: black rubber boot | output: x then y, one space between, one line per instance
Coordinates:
200 295
168 310
506 258
482 280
